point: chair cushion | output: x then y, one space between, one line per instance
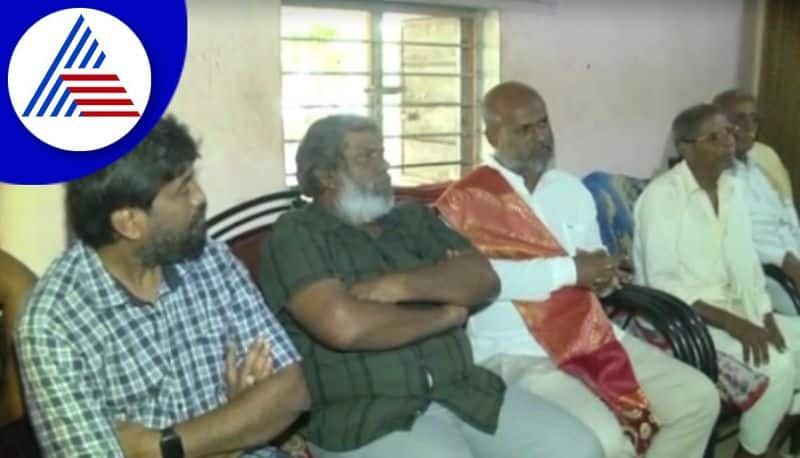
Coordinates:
615 196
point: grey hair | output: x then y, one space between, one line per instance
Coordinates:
322 148
686 125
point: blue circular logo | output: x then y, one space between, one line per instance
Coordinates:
85 84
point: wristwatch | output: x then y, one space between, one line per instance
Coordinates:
171 445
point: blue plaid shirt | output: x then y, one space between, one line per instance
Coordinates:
91 354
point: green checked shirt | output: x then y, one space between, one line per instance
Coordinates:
358 397
91 354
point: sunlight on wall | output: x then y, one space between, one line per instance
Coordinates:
32 226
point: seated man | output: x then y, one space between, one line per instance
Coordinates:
693 239
375 298
776 231
539 226
16 282
121 343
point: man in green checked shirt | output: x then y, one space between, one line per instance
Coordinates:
374 297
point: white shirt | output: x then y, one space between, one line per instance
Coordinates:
682 247
566 207
775 227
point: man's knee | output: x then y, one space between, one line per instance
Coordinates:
586 445
532 427
781 373
580 442
781 367
703 396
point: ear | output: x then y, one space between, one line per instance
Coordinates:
130 223
491 133
683 149
327 179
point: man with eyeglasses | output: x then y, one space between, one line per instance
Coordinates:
776 231
693 239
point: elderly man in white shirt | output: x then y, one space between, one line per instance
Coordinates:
682 399
776 232
693 239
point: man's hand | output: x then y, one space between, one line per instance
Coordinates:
138 441
607 288
389 288
774 333
626 269
596 270
755 340
256 366
455 314
791 267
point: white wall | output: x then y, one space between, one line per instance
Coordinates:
614 74
229 95
32 226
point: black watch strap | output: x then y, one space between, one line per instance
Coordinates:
171 445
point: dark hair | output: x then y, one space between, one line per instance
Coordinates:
132 181
686 126
322 148
726 98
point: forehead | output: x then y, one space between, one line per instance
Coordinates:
179 179
527 109
743 105
362 139
713 123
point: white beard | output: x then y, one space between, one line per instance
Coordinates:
360 206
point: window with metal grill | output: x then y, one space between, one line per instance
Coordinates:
414 69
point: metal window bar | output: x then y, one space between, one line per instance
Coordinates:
386 105
470 46
461 45
417 165
389 7
361 73
413 136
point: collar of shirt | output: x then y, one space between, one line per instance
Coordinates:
690 186
515 180
111 289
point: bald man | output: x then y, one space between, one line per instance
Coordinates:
776 230
538 225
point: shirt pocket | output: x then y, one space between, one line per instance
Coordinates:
574 235
134 382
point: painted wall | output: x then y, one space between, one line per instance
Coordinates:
614 74
229 95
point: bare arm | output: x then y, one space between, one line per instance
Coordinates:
258 414
467 278
754 339
16 282
341 321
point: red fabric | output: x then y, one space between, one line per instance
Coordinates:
570 325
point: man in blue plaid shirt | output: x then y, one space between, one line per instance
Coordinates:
146 339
